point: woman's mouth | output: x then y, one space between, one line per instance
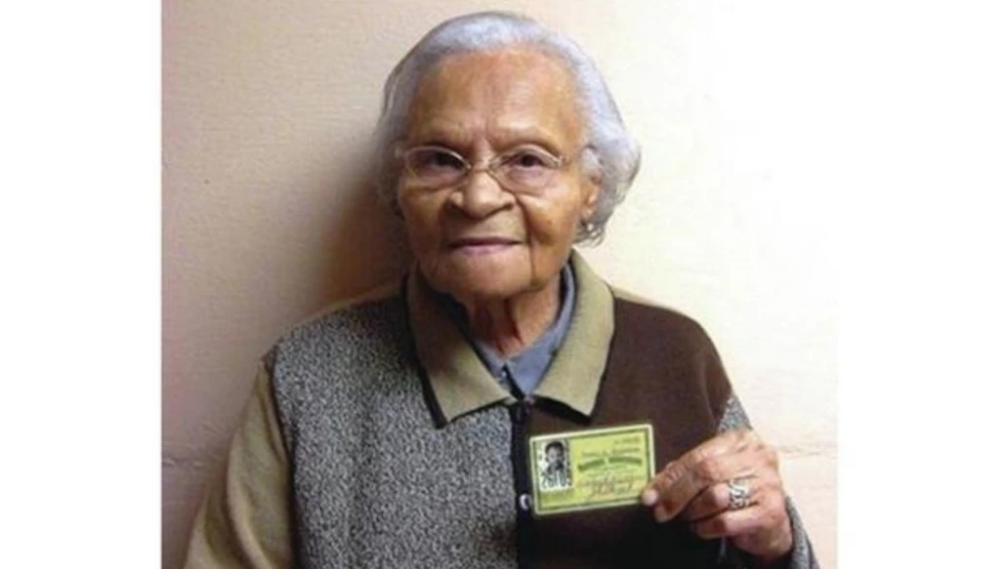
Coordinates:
482 245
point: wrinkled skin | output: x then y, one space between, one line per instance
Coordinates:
498 252
694 488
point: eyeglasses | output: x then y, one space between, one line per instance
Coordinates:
524 168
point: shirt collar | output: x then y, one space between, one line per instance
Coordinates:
461 383
574 377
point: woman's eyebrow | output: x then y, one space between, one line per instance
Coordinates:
528 133
441 132
501 137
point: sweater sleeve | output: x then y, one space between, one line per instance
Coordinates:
801 556
245 518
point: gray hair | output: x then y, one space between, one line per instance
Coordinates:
611 155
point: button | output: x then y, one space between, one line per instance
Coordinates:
524 502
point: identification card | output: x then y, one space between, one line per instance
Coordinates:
585 470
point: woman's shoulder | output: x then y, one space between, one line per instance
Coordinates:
357 320
636 311
371 298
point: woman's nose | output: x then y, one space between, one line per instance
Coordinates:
480 195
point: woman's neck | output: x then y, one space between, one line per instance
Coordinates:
511 325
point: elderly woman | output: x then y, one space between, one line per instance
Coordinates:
397 430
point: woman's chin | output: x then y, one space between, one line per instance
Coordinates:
485 287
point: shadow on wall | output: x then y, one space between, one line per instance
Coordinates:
365 243
321 238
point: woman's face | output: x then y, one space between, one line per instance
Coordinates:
476 239
555 455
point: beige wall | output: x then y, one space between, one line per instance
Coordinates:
267 216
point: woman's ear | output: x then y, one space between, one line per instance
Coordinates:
592 191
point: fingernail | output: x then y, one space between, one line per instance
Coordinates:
660 515
649 497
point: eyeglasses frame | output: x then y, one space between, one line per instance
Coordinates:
489 166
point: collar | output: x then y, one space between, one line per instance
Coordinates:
460 382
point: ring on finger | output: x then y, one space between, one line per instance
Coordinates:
739 493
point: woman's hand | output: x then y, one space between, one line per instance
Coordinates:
728 486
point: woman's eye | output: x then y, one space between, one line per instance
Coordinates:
435 161
444 160
528 161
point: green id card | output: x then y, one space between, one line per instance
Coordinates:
585 470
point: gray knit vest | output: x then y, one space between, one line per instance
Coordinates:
374 482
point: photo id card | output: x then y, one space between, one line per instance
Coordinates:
585 470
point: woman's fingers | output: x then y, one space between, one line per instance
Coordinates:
728 486
762 529
722 458
722 497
